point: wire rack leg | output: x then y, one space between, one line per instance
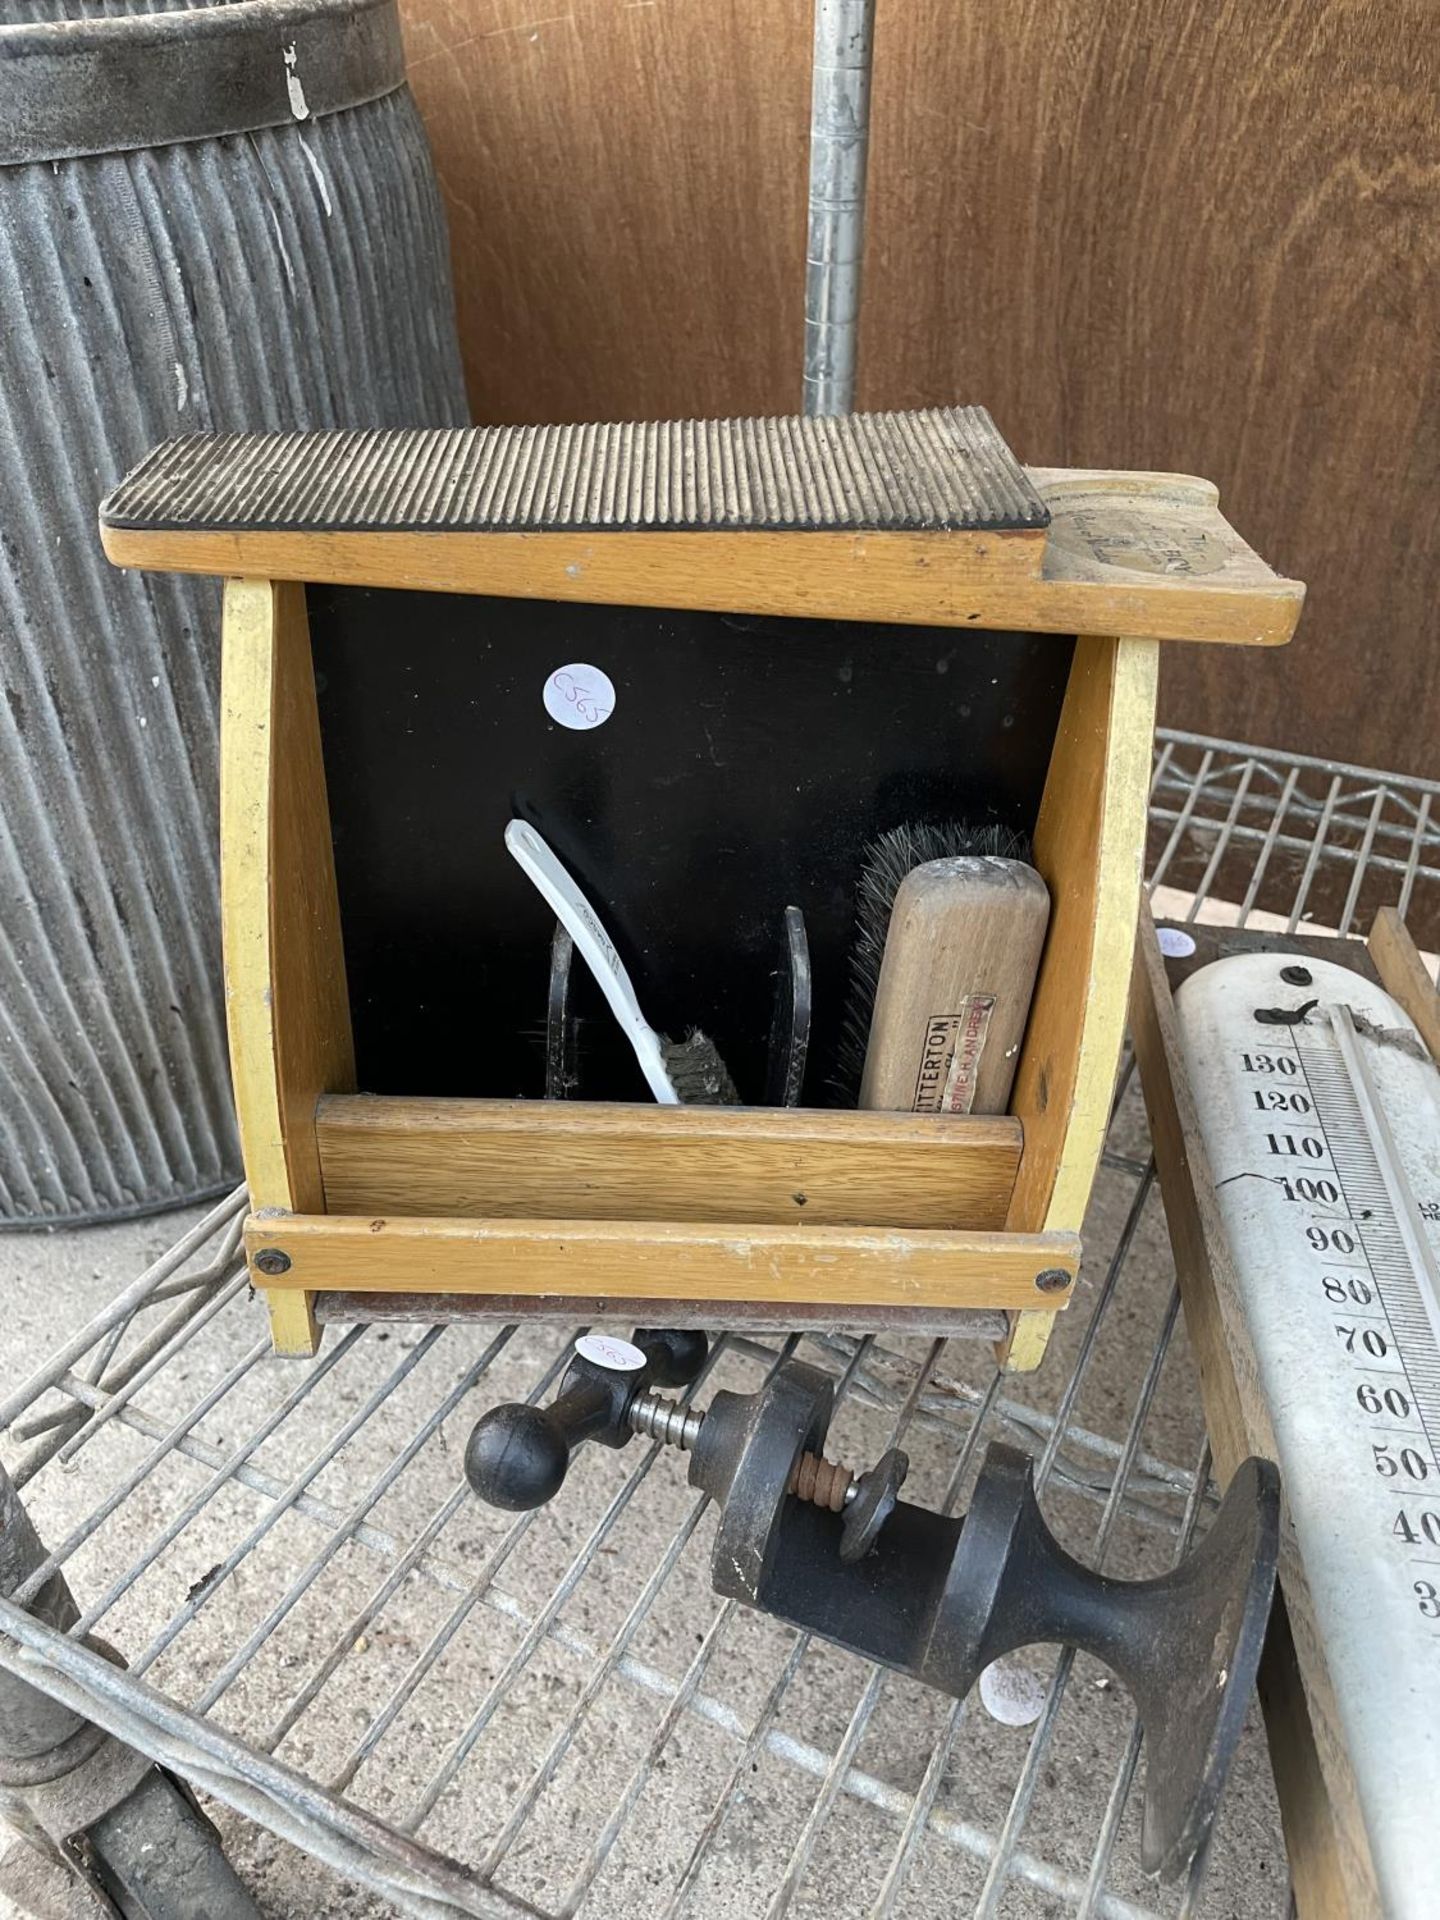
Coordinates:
85 1802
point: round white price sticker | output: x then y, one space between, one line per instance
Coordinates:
1012 1694
608 1350
580 696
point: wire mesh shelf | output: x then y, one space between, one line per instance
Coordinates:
1287 840
471 1713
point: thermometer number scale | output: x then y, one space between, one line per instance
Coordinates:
1323 1136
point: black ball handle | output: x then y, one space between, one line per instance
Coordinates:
674 1355
518 1455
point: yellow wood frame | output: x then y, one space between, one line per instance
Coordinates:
858 1214
1131 553
286 1004
1090 849
855 1211
863 1245
762 1166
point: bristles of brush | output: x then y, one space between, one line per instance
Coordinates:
886 863
697 1072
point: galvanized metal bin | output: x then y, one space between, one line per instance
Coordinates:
214 218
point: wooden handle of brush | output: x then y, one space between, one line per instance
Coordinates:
961 956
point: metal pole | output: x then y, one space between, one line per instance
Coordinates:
835 246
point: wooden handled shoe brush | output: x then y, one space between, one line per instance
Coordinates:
950 921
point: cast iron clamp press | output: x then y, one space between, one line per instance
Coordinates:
934 1597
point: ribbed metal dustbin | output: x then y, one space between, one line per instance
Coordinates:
222 217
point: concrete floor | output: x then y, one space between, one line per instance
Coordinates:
51 1284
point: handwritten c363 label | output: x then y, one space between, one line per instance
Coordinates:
579 696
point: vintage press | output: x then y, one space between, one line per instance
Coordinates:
938 1598
806 634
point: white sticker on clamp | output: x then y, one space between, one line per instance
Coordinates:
1012 1694
608 1350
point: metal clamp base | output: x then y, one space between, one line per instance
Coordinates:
941 1598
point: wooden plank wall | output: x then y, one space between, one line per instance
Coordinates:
625 181
1201 234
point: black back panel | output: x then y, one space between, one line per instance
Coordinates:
745 766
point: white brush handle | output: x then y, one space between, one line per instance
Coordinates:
582 923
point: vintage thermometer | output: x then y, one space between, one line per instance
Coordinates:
1323 1135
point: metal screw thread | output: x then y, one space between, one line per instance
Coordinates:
820 1481
665 1421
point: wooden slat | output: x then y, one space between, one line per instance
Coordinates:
1313 1843
554 1160
612 1259
1332 1874
1151 556
286 1004
710 1316
1014 580
931 578
1404 976
1090 848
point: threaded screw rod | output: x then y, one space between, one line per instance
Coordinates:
665 1420
819 1481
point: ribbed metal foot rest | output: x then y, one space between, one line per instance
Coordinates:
944 469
